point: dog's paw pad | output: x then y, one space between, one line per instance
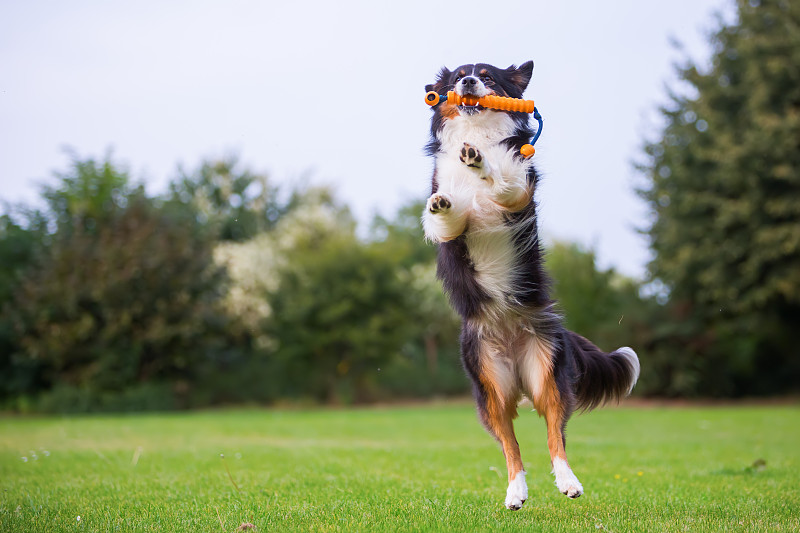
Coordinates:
471 156
438 203
514 505
571 488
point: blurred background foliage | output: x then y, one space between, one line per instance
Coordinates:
723 189
227 289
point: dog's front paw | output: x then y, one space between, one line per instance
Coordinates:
439 203
471 156
517 492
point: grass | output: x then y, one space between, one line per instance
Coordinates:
398 469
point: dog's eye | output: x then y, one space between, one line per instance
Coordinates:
486 78
458 78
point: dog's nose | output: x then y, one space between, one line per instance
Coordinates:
469 82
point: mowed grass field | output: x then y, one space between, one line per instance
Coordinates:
414 468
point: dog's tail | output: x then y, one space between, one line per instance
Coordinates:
601 376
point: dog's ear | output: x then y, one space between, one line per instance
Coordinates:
441 81
522 75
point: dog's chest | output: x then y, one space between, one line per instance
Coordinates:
489 238
486 132
494 258
487 127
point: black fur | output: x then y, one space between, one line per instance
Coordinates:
533 287
600 377
455 269
470 359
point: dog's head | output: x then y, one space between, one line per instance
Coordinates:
480 80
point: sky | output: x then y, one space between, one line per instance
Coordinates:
332 93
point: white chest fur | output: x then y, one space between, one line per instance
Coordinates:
478 196
503 173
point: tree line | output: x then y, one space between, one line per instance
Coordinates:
228 290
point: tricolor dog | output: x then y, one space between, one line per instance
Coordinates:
482 216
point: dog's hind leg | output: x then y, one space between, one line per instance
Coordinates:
497 414
496 394
556 416
541 379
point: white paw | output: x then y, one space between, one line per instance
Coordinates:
517 492
471 156
439 203
566 481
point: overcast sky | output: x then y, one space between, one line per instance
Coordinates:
335 90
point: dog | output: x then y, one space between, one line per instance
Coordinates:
482 216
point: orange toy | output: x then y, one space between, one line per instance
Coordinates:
503 103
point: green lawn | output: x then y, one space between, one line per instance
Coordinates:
398 469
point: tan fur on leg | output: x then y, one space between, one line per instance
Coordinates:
549 404
498 415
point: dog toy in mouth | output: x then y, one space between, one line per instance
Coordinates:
490 101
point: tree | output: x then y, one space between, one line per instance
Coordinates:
723 184
125 294
85 195
429 362
19 248
339 308
402 235
128 304
236 202
80 201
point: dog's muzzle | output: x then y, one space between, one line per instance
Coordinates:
470 86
